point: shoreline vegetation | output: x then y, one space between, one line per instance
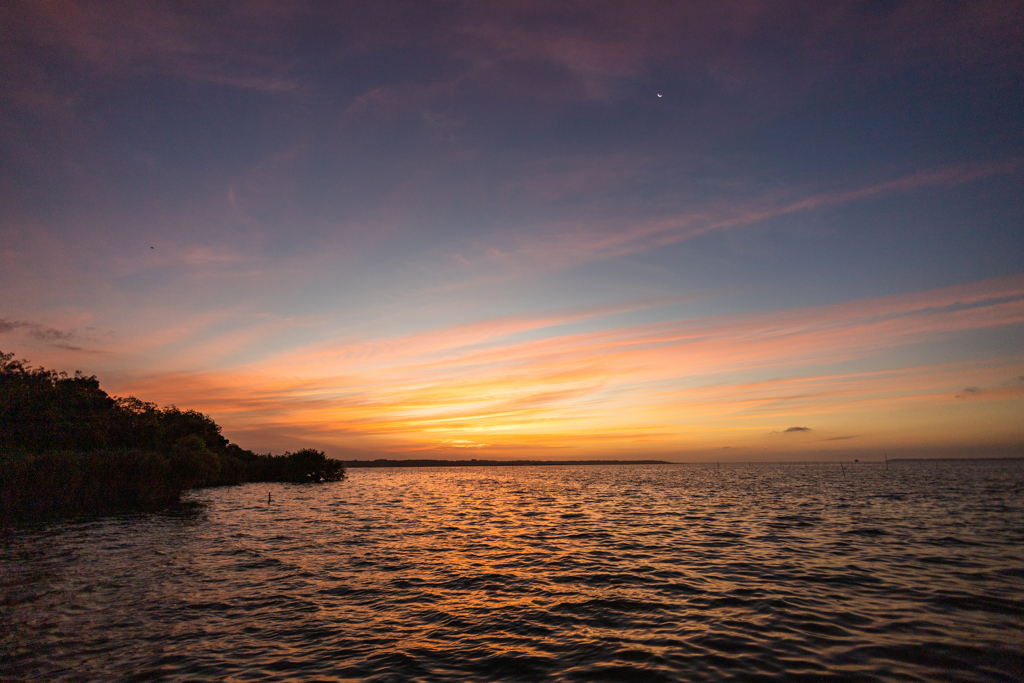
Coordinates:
68 448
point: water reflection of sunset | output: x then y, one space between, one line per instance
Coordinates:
559 573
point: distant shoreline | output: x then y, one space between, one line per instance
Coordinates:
552 463
495 463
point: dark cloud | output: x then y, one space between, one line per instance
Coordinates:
48 334
968 392
41 333
797 429
841 438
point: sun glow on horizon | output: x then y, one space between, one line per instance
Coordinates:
675 386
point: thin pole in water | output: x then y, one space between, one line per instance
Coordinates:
843 466
886 456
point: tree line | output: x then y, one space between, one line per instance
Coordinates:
67 446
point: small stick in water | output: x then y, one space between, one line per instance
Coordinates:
843 466
268 498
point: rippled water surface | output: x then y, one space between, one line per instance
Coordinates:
677 572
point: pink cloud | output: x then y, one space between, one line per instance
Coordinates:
142 37
769 51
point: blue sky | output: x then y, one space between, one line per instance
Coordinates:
387 228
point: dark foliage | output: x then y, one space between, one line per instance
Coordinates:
64 483
302 466
67 447
43 409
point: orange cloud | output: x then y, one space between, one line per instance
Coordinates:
675 383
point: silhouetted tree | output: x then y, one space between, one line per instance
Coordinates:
310 464
193 463
135 423
177 424
66 446
45 409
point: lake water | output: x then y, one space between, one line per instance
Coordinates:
677 572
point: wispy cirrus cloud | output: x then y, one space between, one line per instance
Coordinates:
573 244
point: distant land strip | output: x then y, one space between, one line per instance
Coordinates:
995 457
494 463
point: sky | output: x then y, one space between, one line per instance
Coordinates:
732 231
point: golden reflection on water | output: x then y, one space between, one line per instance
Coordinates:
673 571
